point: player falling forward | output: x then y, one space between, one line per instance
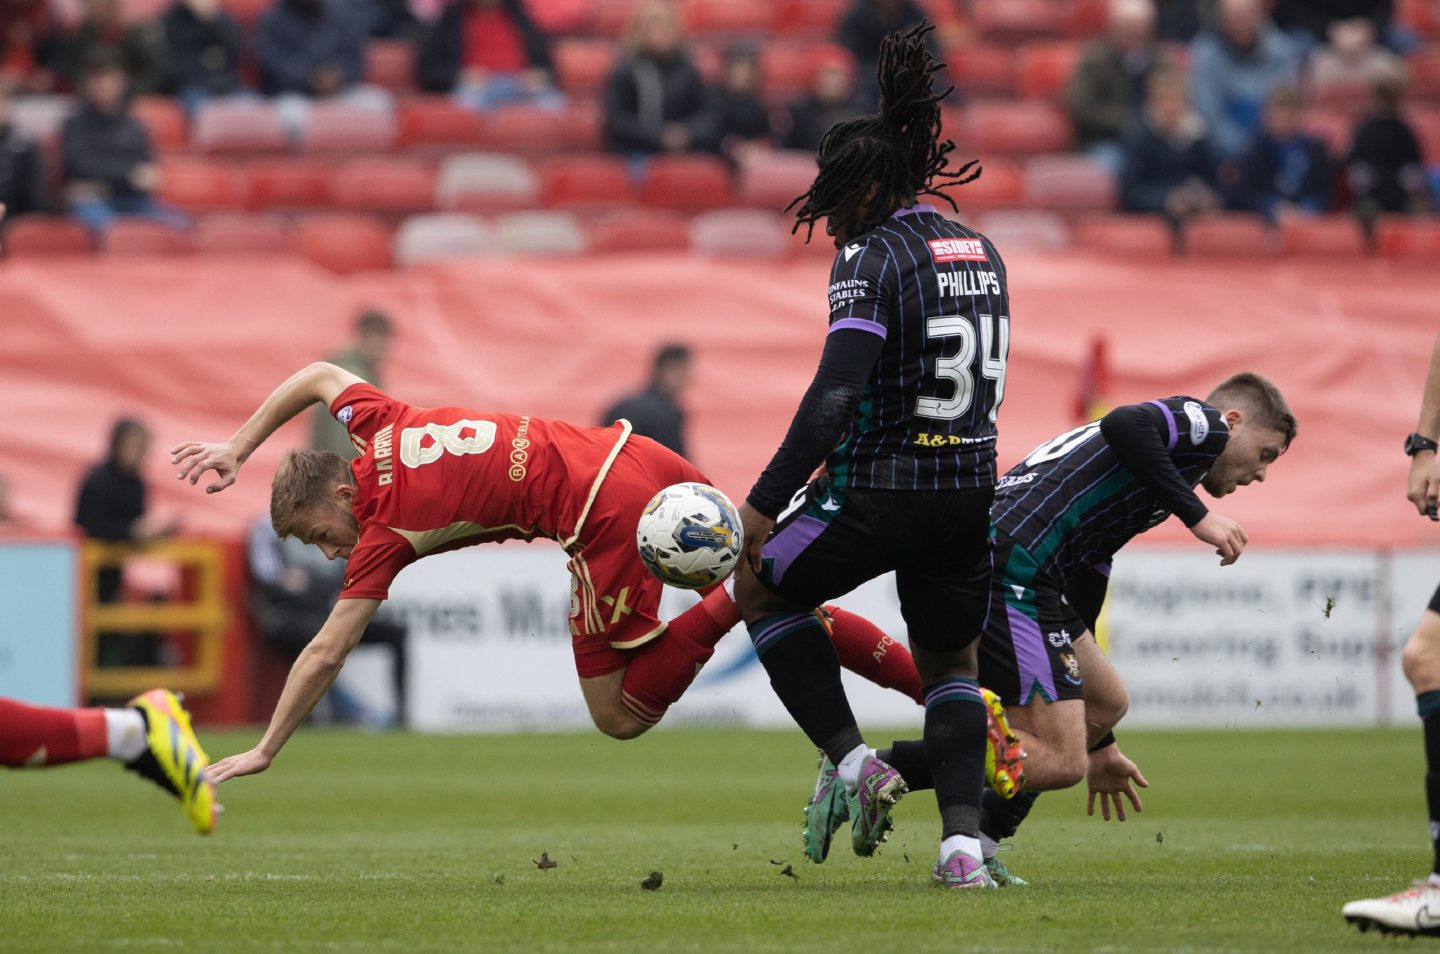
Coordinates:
151 737
902 412
435 479
1417 909
1059 517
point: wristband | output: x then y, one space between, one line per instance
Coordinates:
1106 740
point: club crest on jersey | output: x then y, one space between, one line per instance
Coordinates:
344 414
1199 424
957 250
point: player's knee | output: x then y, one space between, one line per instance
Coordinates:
619 724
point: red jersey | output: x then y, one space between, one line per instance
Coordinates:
440 478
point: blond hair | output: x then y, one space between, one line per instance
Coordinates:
304 479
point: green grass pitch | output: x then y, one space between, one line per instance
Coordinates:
1250 841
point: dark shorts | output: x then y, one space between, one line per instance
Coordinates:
1434 606
830 540
1028 648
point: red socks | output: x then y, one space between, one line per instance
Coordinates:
867 651
662 669
39 735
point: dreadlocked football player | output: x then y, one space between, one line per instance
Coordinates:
901 412
1417 909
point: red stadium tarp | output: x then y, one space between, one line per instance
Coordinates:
193 345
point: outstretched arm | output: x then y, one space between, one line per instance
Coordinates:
316 382
310 678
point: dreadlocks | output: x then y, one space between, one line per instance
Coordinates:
897 151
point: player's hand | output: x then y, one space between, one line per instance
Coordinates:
233 766
196 457
1423 487
756 527
1109 774
1225 535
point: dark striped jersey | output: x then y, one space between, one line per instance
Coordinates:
1071 504
935 291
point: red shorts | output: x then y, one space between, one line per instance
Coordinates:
614 600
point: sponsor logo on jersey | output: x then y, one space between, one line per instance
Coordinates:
850 251
1059 640
344 414
1199 424
1015 480
957 250
519 453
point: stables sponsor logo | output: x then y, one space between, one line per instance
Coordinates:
957 250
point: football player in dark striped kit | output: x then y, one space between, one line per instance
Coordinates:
901 413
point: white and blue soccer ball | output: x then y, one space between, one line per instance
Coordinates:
689 536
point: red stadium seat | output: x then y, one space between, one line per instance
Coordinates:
545 233
1126 236
640 230
429 238
1069 183
612 17
290 184
232 233
1422 16
163 120
246 12
1016 21
771 180
741 233
1330 236
41 117
342 129
135 236
560 17
1043 70
531 130
1000 186
586 184
1332 127
1426 124
390 64
1425 73
1021 128
786 71
384 185
486 182
808 19
1228 235
45 235
436 125
1087 18
724 19
137 11
344 243
202 185
979 69
238 127
687 183
582 65
586 126
1405 238
1041 231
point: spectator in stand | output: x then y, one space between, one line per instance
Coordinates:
292 589
111 507
655 100
1310 22
489 54
1234 68
204 51
27 38
1169 166
864 25
831 100
102 26
743 117
1351 60
1107 90
365 358
1384 168
21 167
1178 21
1286 171
313 49
655 412
105 153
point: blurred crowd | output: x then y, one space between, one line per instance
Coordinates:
1190 106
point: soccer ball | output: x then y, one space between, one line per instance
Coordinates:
689 536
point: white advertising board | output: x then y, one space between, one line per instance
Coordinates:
1249 645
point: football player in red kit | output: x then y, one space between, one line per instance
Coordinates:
435 479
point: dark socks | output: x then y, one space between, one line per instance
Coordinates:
908 758
1001 817
804 671
955 748
1429 706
